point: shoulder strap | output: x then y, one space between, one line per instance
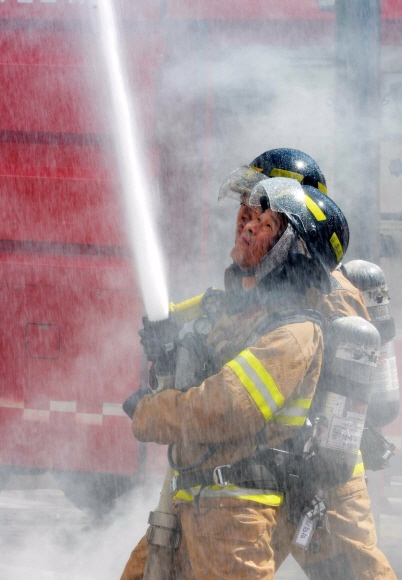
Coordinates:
335 285
284 317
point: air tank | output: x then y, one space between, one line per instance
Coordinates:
370 280
352 347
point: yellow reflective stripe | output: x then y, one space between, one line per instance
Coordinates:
232 491
258 382
256 168
285 173
302 403
289 420
359 467
322 188
272 499
183 495
337 246
251 389
315 209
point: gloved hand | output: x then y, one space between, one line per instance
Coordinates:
131 403
157 337
195 362
158 341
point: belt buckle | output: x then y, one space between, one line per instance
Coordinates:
218 476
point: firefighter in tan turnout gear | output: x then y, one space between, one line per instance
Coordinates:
269 361
345 300
350 550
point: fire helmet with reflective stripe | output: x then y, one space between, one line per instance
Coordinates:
291 163
315 220
332 230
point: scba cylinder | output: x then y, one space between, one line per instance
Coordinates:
370 280
343 394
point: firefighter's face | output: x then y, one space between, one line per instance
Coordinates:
244 215
257 238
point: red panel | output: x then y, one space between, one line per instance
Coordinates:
42 340
17 270
98 364
54 82
270 9
238 9
55 99
144 55
57 160
50 82
60 210
283 32
33 47
142 10
12 342
151 9
99 346
66 9
392 8
61 444
12 435
391 32
48 94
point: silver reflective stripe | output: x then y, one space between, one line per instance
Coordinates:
294 412
262 388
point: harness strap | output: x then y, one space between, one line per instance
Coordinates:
246 473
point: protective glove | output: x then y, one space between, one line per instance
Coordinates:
195 362
131 403
157 337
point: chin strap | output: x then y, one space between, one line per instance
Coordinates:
277 254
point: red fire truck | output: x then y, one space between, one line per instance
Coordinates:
70 308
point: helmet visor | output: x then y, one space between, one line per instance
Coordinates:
283 195
286 196
240 183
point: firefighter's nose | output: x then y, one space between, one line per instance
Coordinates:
251 227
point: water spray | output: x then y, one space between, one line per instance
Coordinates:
136 190
137 196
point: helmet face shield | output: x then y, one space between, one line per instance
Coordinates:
312 223
240 183
282 195
316 218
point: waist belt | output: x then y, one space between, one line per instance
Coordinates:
246 473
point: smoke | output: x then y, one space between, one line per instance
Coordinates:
46 537
228 104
